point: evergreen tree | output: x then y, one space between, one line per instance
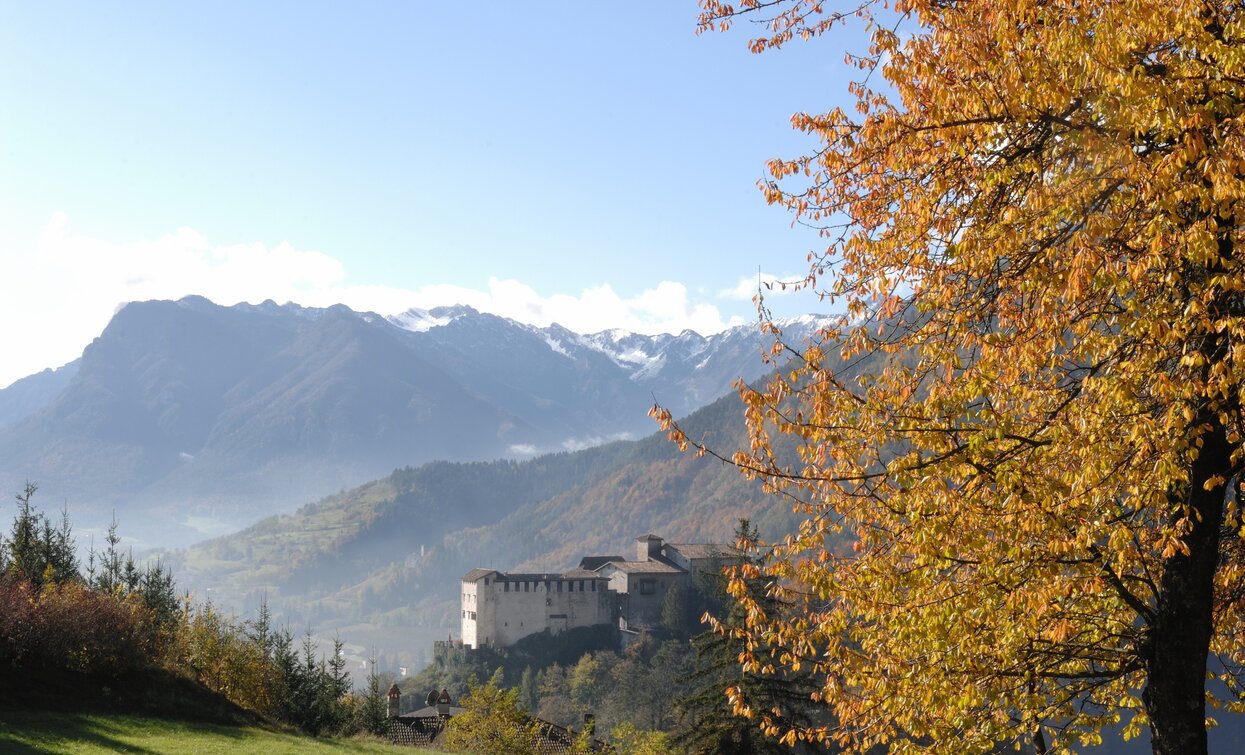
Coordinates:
314 688
374 712
678 611
555 697
286 664
110 570
720 713
259 630
38 550
159 593
336 685
529 686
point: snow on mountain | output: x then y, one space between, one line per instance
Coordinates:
643 357
640 355
236 410
422 320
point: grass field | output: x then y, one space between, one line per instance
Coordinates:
23 731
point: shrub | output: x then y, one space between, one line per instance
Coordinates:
60 629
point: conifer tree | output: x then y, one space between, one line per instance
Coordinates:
37 550
738 686
374 712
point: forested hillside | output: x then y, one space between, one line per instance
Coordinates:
388 555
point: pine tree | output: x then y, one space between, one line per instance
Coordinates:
735 688
374 712
38 550
529 686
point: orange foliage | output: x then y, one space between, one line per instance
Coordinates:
1033 218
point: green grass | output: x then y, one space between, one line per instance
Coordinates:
23 731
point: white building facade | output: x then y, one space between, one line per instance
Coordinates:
499 609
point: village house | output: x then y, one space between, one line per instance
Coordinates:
499 608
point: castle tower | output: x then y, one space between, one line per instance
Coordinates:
647 547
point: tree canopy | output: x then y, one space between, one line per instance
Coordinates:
1033 219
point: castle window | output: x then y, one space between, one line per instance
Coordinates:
581 585
594 585
648 586
525 587
507 587
559 585
571 586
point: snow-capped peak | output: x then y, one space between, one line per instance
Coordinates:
419 320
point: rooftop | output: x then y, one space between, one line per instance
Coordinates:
583 574
646 567
705 550
592 563
477 574
430 712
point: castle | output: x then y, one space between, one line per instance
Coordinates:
500 608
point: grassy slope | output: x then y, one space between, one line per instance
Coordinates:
25 731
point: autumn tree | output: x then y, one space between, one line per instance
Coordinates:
628 738
492 720
1033 218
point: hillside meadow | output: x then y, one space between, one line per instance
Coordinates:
25 731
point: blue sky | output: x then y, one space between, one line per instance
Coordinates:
589 163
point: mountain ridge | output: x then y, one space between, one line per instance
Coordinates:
195 419
382 561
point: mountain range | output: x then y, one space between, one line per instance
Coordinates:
185 419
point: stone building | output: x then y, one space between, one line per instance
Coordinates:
499 609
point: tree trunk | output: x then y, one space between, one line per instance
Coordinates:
1175 696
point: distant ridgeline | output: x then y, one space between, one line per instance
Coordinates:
499 608
190 419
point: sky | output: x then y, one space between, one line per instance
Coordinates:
589 164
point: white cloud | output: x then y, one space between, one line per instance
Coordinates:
769 284
666 308
55 301
184 262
